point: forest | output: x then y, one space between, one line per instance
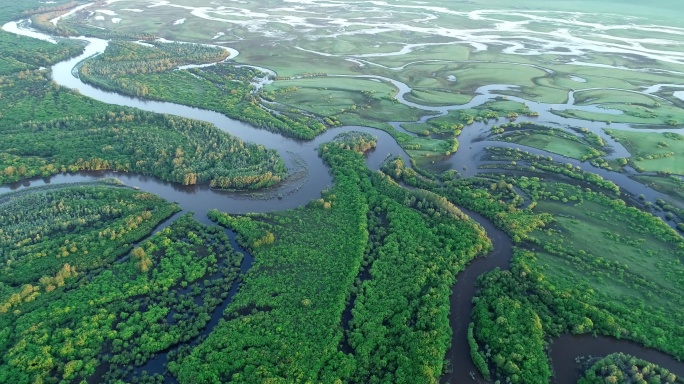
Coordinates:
101 321
48 129
339 258
621 368
86 227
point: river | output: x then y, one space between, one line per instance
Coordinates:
314 176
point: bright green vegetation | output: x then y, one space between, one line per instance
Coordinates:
502 207
511 331
448 52
637 108
470 76
87 227
354 286
122 61
582 274
541 166
548 142
77 325
24 53
138 70
438 136
48 129
339 102
553 140
621 368
351 45
387 254
653 152
283 61
573 271
451 124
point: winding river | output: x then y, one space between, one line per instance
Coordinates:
313 177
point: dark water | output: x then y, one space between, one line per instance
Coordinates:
157 365
461 299
565 348
314 177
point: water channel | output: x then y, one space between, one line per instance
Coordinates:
314 177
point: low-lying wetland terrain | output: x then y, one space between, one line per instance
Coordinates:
341 192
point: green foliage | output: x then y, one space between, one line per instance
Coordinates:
622 368
21 53
285 321
11 10
543 165
409 244
512 332
86 227
553 140
355 141
123 316
138 70
123 60
91 136
518 223
400 328
476 356
582 275
653 151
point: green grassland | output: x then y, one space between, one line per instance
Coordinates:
581 147
291 62
582 273
664 115
434 97
587 231
659 9
455 121
448 52
653 152
469 76
551 143
274 45
618 97
352 45
334 96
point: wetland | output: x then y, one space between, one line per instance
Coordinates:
528 187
